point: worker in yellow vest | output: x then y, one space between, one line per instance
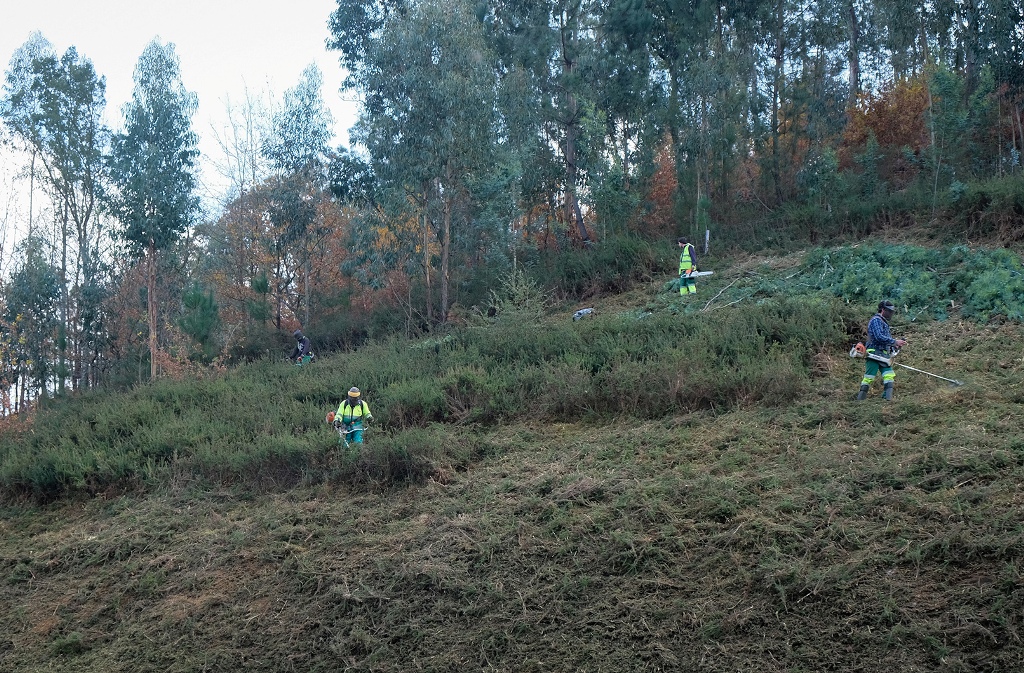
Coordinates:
351 416
687 266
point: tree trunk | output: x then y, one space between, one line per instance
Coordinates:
446 244
151 301
305 290
62 345
854 53
935 149
426 265
926 56
279 285
625 156
780 52
1020 129
673 133
970 47
572 209
31 188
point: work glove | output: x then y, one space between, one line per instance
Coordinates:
337 424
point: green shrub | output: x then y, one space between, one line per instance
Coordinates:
990 209
413 402
612 265
69 645
924 282
386 460
264 423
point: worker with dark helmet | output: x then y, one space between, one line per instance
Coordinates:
687 266
879 352
352 414
303 352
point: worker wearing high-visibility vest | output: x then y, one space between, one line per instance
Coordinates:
687 266
352 413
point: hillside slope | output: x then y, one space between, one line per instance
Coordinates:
795 532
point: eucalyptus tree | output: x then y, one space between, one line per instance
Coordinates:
429 122
55 106
552 42
298 149
624 73
917 32
623 132
300 132
1006 43
19 79
817 91
151 167
710 59
1006 56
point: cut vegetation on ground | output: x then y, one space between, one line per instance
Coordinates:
662 486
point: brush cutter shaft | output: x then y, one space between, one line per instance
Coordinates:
915 369
859 352
343 433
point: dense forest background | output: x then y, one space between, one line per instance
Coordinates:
568 140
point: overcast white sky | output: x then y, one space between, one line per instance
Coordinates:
225 46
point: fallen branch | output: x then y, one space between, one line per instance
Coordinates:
717 296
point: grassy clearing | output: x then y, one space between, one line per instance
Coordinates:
792 532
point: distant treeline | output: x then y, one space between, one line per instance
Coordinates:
575 140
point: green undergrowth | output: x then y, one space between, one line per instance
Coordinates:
264 423
813 535
668 484
925 282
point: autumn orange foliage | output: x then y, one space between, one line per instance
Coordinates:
252 246
659 222
128 319
896 117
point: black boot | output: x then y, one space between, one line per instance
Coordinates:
887 391
863 394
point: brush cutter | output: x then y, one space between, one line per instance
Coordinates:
673 285
342 432
859 351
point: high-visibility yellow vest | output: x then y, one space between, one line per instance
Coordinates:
348 414
685 259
